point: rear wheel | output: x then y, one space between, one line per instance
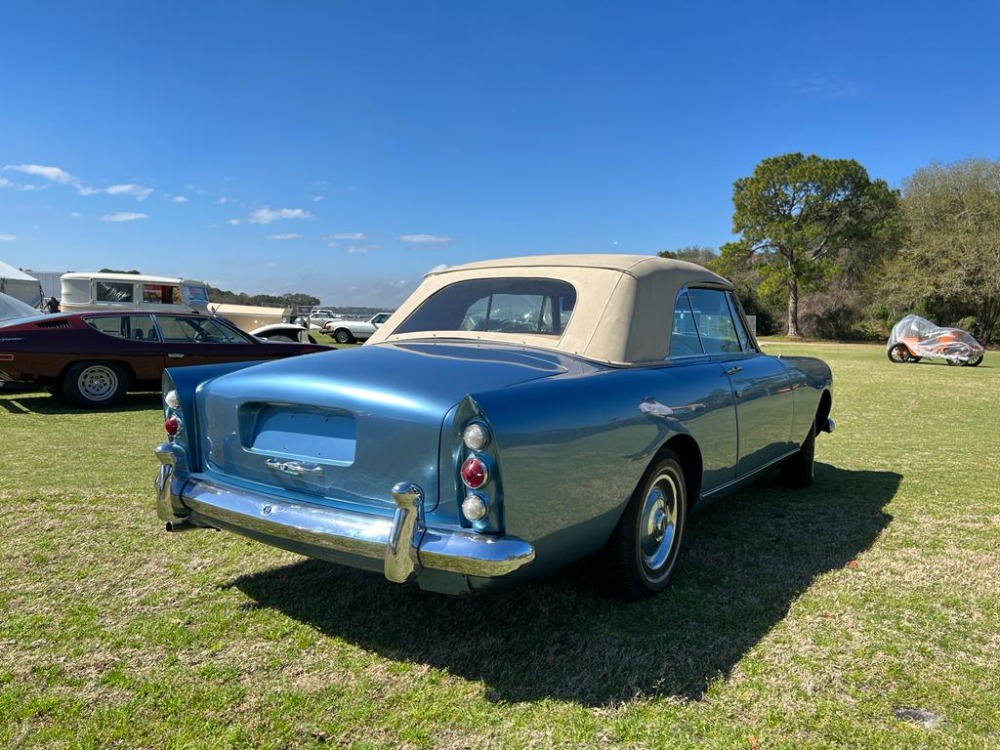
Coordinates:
975 361
899 353
643 550
342 336
798 470
95 385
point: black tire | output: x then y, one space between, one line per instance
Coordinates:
642 552
974 362
95 385
798 470
343 336
899 353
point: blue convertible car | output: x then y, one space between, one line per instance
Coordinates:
511 417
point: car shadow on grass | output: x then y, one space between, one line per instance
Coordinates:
746 560
23 401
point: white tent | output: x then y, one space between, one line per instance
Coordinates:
20 285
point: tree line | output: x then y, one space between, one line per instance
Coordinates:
825 251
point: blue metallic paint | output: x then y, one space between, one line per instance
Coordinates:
571 439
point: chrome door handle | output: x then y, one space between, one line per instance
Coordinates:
733 370
175 355
292 467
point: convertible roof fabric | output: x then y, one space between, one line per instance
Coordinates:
624 308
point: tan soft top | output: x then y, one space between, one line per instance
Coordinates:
624 306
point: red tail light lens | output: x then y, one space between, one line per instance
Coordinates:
172 425
474 473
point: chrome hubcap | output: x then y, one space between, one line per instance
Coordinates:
658 529
98 383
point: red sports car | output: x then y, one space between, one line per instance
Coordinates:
94 358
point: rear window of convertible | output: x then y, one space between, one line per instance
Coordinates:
508 305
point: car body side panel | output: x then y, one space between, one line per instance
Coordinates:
572 449
764 409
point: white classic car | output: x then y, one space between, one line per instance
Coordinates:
348 331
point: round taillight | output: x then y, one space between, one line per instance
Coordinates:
474 507
476 436
172 425
474 473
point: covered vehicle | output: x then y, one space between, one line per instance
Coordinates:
512 416
95 358
12 307
914 338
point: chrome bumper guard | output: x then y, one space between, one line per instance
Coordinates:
404 542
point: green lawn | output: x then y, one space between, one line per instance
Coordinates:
798 618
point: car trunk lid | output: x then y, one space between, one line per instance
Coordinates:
343 427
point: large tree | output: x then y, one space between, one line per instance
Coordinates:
952 254
802 218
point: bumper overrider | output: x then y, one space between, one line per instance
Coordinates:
404 542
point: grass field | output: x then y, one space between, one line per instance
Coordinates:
824 618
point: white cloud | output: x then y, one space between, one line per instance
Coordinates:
49 173
267 215
4 182
355 236
62 177
75 215
221 201
234 222
124 216
286 236
7 237
179 199
138 192
361 249
426 239
318 198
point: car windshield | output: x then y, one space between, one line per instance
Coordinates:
508 305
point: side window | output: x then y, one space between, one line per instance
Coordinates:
136 327
684 340
161 294
198 330
710 308
113 291
747 342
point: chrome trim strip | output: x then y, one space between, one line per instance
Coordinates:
292 467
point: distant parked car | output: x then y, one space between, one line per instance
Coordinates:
915 338
349 331
511 417
95 358
316 319
284 332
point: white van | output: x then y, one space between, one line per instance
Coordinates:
127 291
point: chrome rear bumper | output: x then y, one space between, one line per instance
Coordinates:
403 542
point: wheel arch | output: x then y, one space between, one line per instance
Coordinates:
823 411
689 454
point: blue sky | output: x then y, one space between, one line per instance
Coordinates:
343 149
